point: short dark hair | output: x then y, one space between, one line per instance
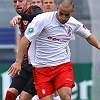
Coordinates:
66 3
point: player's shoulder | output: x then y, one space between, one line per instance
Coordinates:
73 20
34 9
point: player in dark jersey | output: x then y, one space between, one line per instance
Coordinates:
44 5
24 80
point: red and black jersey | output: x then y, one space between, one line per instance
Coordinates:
27 17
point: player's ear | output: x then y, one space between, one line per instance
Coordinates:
56 6
73 11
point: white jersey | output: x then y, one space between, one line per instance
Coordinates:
50 39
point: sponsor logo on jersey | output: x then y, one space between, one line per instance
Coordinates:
65 39
25 22
31 30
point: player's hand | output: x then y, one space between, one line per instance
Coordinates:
15 20
15 68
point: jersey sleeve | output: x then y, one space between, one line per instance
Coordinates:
33 12
82 31
35 27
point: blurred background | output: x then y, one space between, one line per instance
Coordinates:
86 59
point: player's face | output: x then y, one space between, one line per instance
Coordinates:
36 2
48 5
20 6
63 14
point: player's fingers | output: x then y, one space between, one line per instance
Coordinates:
13 23
18 72
12 73
10 70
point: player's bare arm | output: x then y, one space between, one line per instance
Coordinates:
18 42
16 67
15 20
93 41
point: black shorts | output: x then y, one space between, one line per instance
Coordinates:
30 87
24 82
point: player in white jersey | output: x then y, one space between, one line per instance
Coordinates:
50 34
47 6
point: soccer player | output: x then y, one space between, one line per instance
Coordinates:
52 4
49 5
23 82
50 34
37 2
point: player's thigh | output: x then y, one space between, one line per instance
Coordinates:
25 96
65 77
65 92
18 83
45 89
30 87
